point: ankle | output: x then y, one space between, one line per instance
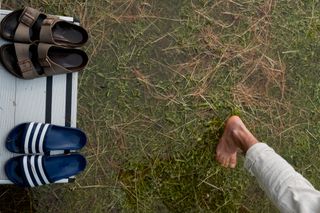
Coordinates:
243 139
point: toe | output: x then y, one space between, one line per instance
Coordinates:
233 161
225 162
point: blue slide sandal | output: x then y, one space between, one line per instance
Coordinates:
37 170
31 138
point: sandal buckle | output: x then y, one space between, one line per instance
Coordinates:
25 65
27 18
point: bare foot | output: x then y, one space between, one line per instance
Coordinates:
236 136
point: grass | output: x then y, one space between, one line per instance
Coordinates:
162 78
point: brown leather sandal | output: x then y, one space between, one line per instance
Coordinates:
29 25
30 61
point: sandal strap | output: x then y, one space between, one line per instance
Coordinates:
33 169
46 29
49 67
26 21
34 138
25 64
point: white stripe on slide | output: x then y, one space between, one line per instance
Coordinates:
33 168
26 171
35 135
43 133
43 175
26 140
